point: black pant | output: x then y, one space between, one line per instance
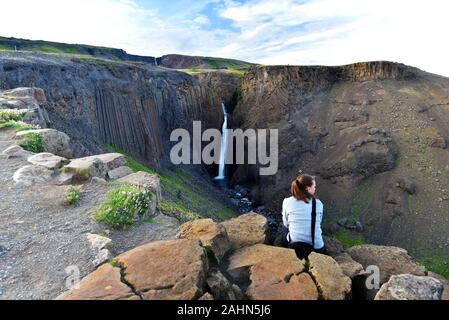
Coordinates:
303 249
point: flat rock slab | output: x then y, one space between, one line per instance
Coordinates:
246 230
95 166
332 282
212 235
119 172
48 160
410 287
273 273
16 151
102 284
167 270
298 287
31 174
389 260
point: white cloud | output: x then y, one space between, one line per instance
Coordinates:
340 32
271 32
201 20
113 23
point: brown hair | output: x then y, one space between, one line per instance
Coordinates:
299 187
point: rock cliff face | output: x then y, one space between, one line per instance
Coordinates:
375 134
134 106
360 129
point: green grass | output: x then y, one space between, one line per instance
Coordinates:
122 205
176 209
182 189
190 71
31 142
72 194
131 163
433 258
11 115
436 263
16 125
222 63
238 73
4 48
348 240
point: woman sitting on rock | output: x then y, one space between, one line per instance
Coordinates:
302 213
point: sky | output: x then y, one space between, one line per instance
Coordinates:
301 32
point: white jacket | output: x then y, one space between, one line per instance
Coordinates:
297 217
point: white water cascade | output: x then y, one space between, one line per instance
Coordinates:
223 146
155 61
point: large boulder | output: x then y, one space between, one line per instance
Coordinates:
166 270
103 284
23 93
389 260
410 287
48 160
444 281
119 172
95 166
53 141
31 174
213 236
147 181
332 282
246 230
349 267
160 270
144 180
272 273
297 287
16 151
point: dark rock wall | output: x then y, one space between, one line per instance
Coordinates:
357 128
134 106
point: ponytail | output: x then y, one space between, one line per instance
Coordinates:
299 187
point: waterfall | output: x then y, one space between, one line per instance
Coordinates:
223 146
155 61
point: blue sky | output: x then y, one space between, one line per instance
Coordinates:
326 32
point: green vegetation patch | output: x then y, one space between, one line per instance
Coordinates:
17 125
13 119
122 205
131 163
11 115
183 189
31 142
72 194
348 240
177 210
436 263
431 257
